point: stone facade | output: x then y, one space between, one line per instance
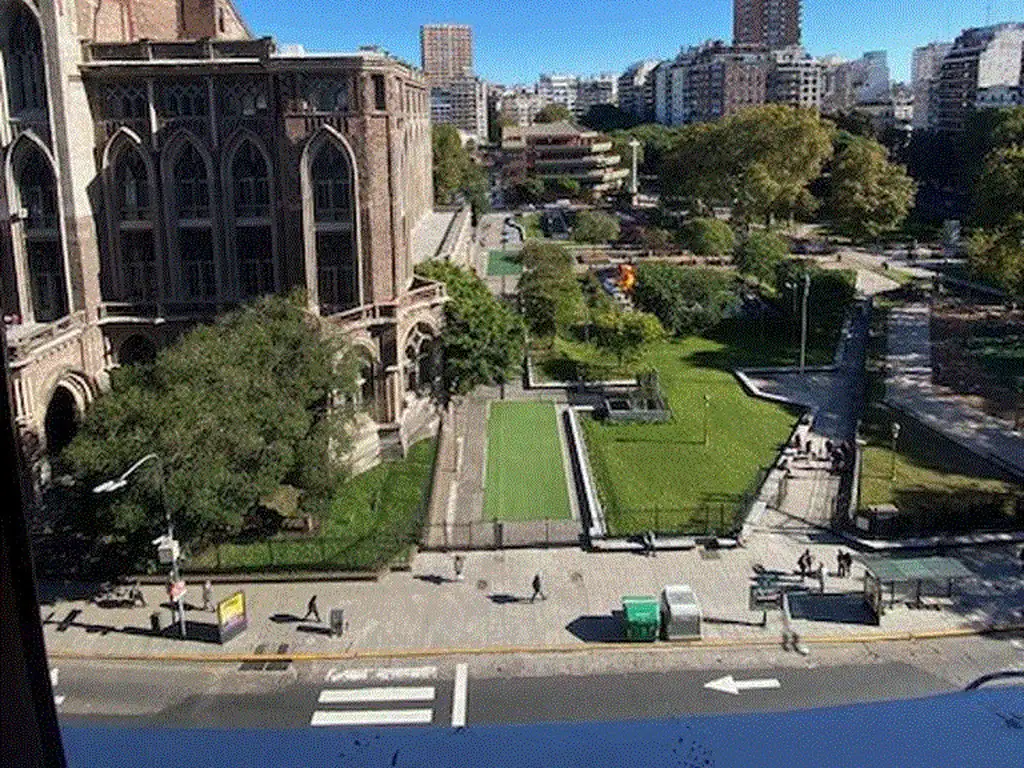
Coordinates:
149 185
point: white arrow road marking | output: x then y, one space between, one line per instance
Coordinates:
394 693
728 684
459 696
54 676
335 675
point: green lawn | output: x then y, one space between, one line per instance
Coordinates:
525 470
663 476
530 223
373 518
500 263
934 476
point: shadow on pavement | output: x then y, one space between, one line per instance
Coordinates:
285 618
597 629
505 599
848 608
313 629
433 578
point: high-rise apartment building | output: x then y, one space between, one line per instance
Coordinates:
446 51
848 84
795 78
559 89
636 89
723 80
981 59
596 90
768 23
923 76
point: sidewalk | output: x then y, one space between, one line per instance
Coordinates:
427 610
909 388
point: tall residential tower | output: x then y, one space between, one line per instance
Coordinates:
768 23
447 51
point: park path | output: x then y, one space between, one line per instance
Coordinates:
909 388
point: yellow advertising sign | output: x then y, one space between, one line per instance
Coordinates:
231 618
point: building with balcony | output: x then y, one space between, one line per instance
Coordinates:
636 89
924 72
795 78
563 150
163 171
462 102
981 59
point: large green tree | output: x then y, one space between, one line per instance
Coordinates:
760 254
997 255
999 192
456 175
626 335
549 293
553 113
233 409
482 340
595 227
709 237
685 299
868 194
759 161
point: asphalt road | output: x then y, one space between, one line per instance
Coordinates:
362 694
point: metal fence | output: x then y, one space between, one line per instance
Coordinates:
710 519
487 534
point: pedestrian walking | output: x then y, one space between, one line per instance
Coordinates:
820 573
537 590
847 564
458 564
649 544
207 596
840 564
137 597
311 610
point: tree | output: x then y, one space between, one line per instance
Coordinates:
549 294
608 117
760 254
595 227
482 340
685 299
710 237
760 161
234 409
561 186
626 334
655 239
553 113
451 163
999 192
869 195
997 255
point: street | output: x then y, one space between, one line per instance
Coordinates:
518 689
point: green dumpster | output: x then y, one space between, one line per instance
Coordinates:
642 618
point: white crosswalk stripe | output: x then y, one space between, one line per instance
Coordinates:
337 705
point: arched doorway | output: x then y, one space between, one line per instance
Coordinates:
136 350
61 422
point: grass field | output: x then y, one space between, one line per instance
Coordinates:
372 518
667 467
500 263
933 474
525 471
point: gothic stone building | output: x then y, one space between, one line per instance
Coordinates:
161 166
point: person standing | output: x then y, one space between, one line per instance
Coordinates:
841 564
458 563
537 589
311 610
207 595
820 573
138 598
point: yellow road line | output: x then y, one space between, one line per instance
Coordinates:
237 658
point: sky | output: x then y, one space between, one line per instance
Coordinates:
516 40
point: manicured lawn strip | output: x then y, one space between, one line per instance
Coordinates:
372 518
500 263
665 469
933 474
525 472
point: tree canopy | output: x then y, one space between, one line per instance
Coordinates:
868 194
482 340
595 227
760 254
553 113
709 237
456 175
760 161
549 294
626 335
685 299
997 255
234 409
999 193
608 117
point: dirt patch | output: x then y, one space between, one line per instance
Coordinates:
978 353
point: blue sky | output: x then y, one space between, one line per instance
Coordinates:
517 39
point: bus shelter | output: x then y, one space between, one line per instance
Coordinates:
885 570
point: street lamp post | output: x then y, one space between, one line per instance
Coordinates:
895 434
707 418
634 187
111 486
803 323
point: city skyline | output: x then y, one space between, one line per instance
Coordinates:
518 53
